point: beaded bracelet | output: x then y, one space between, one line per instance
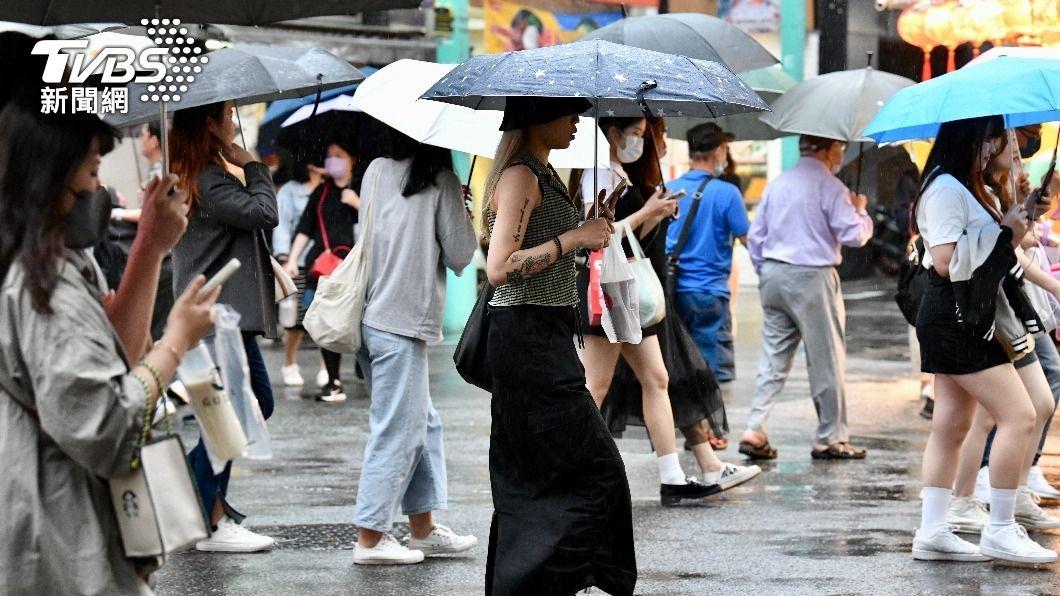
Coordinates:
559 247
154 373
146 428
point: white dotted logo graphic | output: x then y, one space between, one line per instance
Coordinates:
183 63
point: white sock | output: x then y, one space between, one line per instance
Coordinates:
1002 507
933 514
670 471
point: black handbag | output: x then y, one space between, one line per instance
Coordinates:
912 278
470 356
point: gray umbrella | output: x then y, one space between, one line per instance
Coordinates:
614 77
689 34
837 105
227 12
71 31
243 74
769 83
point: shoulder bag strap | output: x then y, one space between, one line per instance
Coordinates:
320 216
688 220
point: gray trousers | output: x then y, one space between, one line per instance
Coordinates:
802 304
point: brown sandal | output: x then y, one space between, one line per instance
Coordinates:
841 450
763 451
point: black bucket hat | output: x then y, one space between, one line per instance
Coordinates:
523 112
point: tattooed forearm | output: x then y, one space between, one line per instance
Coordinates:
517 236
529 265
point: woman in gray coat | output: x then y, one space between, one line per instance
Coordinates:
228 220
71 401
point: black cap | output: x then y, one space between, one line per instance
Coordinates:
706 137
523 112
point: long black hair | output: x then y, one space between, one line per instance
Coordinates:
39 155
958 145
427 162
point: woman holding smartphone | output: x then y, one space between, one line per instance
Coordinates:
563 517
969 369
228 219
633 143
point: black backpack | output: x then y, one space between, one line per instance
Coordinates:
912 278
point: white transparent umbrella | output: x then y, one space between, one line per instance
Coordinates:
392 96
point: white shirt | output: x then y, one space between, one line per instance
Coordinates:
945 211
606 180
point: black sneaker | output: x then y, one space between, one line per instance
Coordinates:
928 410
692 489
331 393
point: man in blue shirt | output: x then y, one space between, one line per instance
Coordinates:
705 262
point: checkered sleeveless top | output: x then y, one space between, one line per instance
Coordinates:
557 285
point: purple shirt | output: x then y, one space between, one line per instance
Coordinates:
804 217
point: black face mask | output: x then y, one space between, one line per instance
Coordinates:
87 222
1032 147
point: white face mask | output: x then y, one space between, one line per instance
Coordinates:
632 151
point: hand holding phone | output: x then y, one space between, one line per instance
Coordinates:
219 278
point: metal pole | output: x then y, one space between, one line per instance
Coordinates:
163 126
596 149
861 164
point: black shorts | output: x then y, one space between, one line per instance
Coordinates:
946 348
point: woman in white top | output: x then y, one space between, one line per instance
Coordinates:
969 370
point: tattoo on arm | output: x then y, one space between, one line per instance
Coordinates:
531 265
517 236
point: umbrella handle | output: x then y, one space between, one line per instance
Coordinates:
320 88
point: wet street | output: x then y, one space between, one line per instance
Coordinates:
802 527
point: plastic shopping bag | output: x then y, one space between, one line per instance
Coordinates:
649 289
618 296
595 298
235 374
219 426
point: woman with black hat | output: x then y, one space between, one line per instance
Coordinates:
563 519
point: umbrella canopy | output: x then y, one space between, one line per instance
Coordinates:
340 103
610 75
392 96
1023 90
1018 52
244 12
695 35
71 31
838 105
247 74
769 83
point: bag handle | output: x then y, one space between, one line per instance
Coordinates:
320 216
634 244
688 220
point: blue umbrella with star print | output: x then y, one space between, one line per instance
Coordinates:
619 80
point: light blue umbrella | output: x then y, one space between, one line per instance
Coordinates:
1023 90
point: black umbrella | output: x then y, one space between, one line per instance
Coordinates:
222 12
619 80
689 34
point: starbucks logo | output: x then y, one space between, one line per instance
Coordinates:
130 504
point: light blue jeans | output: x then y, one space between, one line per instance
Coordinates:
404 460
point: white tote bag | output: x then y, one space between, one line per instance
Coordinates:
649 289
334 318
618 290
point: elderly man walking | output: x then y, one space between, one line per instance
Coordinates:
805 216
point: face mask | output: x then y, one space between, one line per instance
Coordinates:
719 169
632 151
337 167
87 222
1032 147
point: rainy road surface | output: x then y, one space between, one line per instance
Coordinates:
803 527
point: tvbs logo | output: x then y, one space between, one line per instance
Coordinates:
115 65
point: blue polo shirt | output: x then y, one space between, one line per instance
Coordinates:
706 261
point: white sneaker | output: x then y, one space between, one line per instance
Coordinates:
292 377
1029 514
967 515
442 541
1037 483
387 552
1011 543
230 537
322 377
982 485
731 475
944 545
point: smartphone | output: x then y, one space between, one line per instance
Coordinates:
219 278
620 189
677 195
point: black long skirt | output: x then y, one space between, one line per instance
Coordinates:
563 518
